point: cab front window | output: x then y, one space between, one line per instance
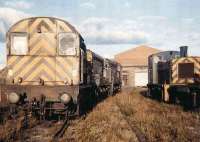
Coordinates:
19 44
67 42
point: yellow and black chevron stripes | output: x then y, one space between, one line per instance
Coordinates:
63 27
174 69
20 27
43 25
32 67
38 69
42 36
54 69
64 69
42 44
42 60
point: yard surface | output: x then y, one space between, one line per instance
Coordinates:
130 116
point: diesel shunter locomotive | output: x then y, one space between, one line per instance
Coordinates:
49 67
175 77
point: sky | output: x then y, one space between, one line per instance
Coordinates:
113 26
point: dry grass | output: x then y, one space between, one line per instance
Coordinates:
13 127
157 121
104 124
113 120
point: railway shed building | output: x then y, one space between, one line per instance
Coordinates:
135 65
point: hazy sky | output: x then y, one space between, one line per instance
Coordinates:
112 26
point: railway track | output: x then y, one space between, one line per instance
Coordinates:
61 131
25 130
46 131
139 134
14 128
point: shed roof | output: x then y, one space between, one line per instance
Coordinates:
137 56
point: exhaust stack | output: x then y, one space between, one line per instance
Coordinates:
183 51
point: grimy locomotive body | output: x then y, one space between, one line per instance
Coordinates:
175 77
49 66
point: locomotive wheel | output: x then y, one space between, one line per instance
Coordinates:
110 91
97 95
42 108
194 99
93 97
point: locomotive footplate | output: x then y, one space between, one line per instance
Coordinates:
56 97
186 94
50 92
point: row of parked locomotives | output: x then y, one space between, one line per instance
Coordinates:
174 77
50 69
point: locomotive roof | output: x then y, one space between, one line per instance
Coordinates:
113 61
54 18
188 57
164 52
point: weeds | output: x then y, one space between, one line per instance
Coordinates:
157 121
